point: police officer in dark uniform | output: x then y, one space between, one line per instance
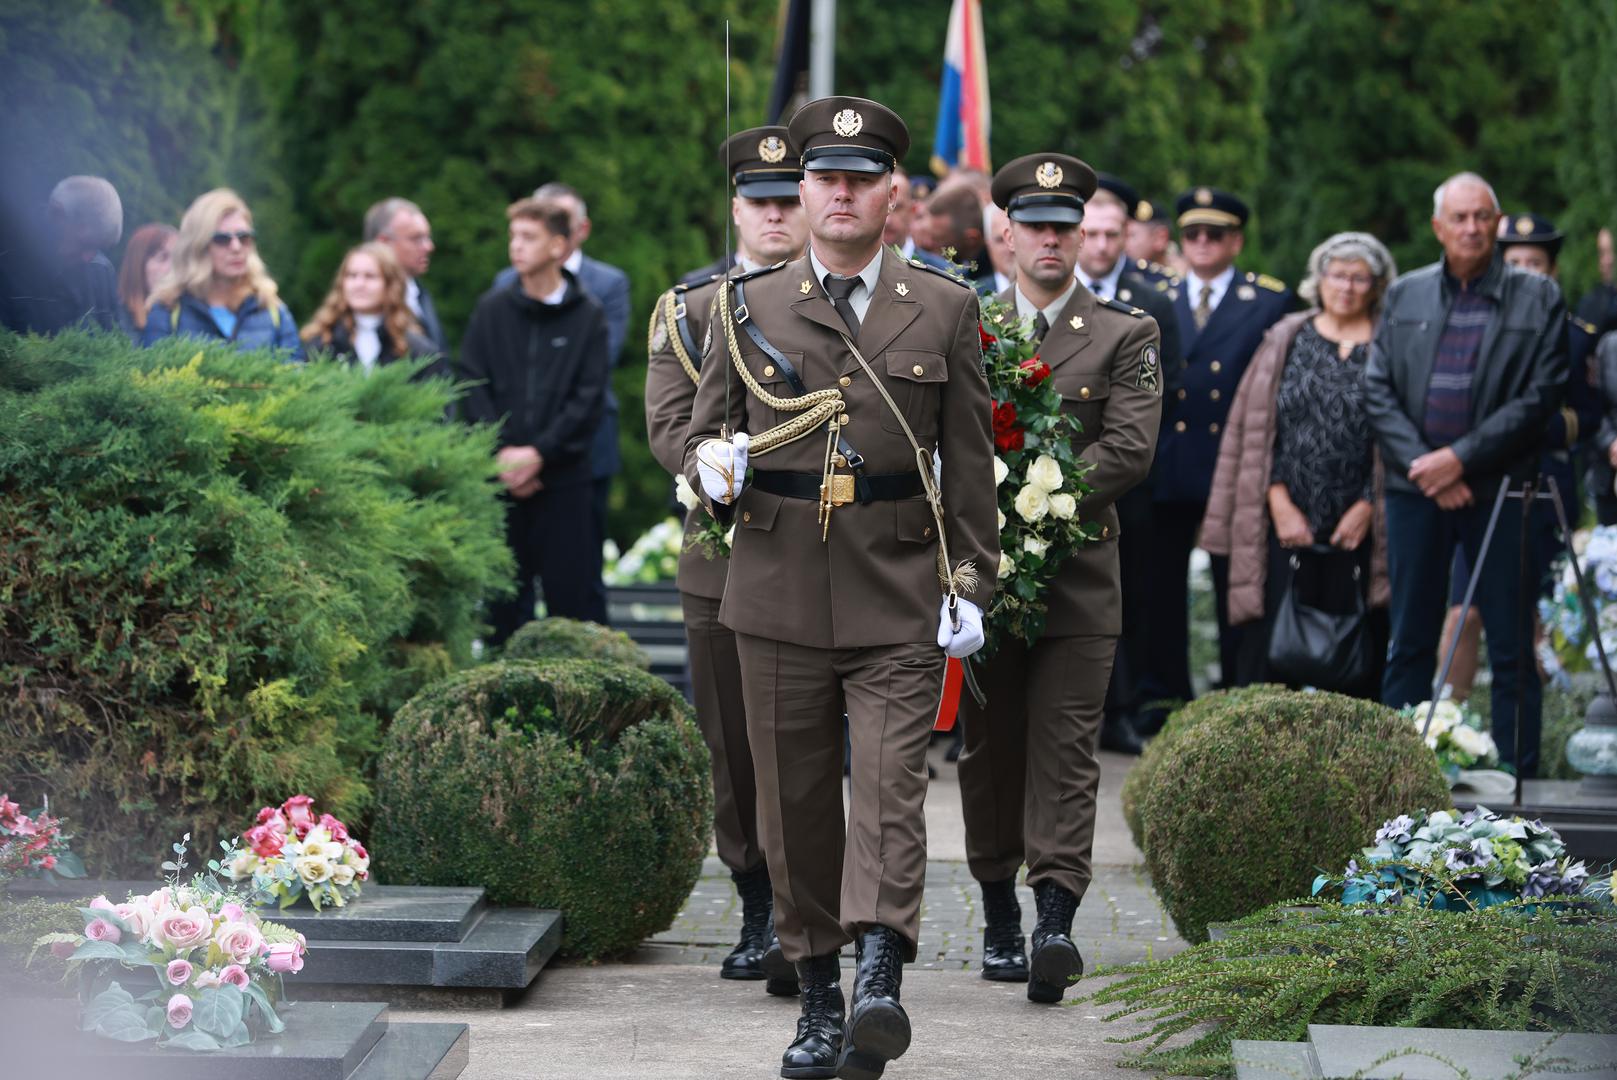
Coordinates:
1222 313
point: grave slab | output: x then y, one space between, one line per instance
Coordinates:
1255 1060
1344 1050
418 1052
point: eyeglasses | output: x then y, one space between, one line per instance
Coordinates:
1345 281
1210 233
244 237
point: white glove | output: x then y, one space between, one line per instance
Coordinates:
722 467
969 637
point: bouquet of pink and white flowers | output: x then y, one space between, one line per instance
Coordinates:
34 844
292 852
202 947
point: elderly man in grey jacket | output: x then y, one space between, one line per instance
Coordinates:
1465 370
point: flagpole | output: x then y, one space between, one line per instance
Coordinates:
822 49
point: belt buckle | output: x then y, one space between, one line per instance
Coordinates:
841 493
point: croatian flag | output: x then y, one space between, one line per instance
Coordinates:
962 136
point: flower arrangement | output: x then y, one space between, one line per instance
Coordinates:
1037 472
209 959
1469 861
1568 646
652 558
1456 736
711 536
293 853
34 845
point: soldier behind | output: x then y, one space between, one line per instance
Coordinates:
834 591
1150 245
1028 775
1222 314
1105 269
769 227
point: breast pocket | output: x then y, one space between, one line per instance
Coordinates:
1083 397
915 379
771 378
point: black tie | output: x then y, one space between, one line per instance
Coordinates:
1041 327
841 291
1095 287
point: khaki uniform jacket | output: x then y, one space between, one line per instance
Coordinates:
874 580
670 394
1112 385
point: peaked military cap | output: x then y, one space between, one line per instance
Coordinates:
848 134
1210 206
1531 229
1122 189
763 163
1044 187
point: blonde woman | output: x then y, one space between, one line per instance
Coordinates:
217 287
365 319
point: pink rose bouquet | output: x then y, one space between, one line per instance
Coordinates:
34 844
293 852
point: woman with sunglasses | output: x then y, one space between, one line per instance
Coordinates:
217 287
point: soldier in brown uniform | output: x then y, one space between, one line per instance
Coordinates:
1028 774
840 374
769 226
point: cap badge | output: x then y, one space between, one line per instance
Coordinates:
805 288
1143 211
1204 197
772 150
1076 322
1524 226
847 123
1048 175
902 289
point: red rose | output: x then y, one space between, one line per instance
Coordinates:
1007 435
265 841
987 338
1037 370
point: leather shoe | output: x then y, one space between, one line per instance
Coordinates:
1117 734
1004 948
746 960
1055 962
781 975
878 1029
813 1054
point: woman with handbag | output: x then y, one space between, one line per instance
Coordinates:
1293 501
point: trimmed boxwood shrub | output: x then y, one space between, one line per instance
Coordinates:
1246 805
569 784
570 639
1187 716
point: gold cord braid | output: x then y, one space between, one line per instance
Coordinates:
822 406
670 313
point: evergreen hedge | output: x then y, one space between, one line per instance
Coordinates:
570 784
571 639
1248 803
219 575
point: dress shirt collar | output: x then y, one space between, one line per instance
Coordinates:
1218 286
1108 281
574 261
1026 310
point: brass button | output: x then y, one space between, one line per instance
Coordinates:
1215 395
1181 393
844 419
1105 531
1212 429
845 381
918 369
746 516
1083 392
1180 426
1215 367
769 370
927 532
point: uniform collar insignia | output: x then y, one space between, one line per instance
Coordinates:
1076 322
902 288
806 288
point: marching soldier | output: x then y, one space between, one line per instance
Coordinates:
1028 775
769 224
1223 314
839 374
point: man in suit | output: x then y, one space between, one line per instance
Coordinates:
1028 774
834 590
1223 314
400 224
957 226
1106 271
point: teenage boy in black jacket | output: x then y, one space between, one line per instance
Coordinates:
536 350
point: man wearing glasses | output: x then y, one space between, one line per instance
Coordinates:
1223 314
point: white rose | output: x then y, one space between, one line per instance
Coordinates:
683 493
1001 514
1034 546
1032 503
1479 744
1063 506
343 876
242 866
320 849
312 871
317 835
1045 474
730 536
1001 471
1007 566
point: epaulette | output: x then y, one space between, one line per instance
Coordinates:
944 274
1273 284
1587 327
1127 309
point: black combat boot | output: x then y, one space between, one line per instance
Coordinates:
1056 962
813 1054
778 970
878 1029
1004 949
746 960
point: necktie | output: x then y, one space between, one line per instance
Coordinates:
1041 327
1204 309
1096 288
841 291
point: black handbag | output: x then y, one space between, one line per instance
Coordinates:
1311 645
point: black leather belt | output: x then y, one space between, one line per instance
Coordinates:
876 487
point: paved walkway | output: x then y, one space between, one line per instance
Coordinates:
664 1012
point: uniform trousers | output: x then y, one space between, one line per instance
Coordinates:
722 715
832 879
1028 773
553 538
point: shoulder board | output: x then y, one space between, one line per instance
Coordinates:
1273 284
944 274
1587 327
1127 309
